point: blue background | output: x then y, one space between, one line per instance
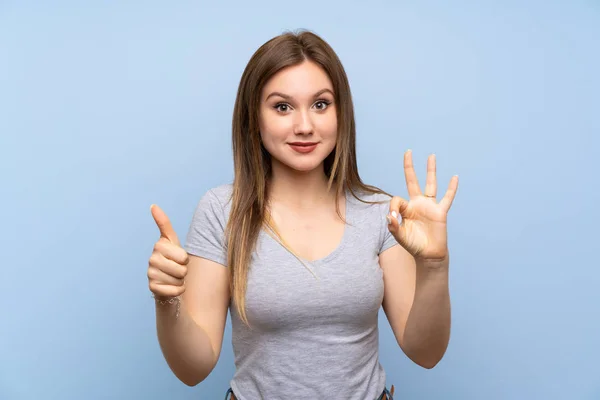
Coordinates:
108 107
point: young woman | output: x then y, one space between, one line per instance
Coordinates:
299 249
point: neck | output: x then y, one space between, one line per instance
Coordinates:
299 189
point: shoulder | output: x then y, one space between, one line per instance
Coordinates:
215 202
365 199
368 207
205 236
220 194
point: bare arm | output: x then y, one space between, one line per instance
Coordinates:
191 343
417 299
417 305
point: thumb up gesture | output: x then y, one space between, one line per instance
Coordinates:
168 263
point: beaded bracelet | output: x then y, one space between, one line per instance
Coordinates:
171 301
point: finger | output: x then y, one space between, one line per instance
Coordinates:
431 182
412 183
158 276
160 289
398 207
446 202
169 267
163 223
172 252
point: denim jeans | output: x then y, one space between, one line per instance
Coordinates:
385 392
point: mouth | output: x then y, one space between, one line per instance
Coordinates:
303 147
303 143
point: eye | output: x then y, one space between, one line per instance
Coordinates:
282 107
322 104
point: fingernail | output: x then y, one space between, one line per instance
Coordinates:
388 219
395 214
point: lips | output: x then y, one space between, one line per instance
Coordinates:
303 147
303 143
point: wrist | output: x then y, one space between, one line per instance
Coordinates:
168 302
163 299
438 263
433 268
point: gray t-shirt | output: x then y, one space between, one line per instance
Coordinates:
312 337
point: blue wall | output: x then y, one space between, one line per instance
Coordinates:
106 108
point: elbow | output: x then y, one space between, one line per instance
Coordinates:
191 378
189 371
427 364
426 359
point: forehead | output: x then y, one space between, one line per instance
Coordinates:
299 80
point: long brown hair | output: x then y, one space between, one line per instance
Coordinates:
252 163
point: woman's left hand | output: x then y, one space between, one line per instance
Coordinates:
423 230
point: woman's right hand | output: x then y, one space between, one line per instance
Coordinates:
168 263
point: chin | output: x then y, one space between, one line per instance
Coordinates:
304 166
307 164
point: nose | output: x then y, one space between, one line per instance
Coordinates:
303 123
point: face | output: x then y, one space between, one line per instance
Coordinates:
298 122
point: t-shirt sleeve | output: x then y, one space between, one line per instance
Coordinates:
206 234
387 239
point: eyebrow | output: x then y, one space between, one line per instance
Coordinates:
288 97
